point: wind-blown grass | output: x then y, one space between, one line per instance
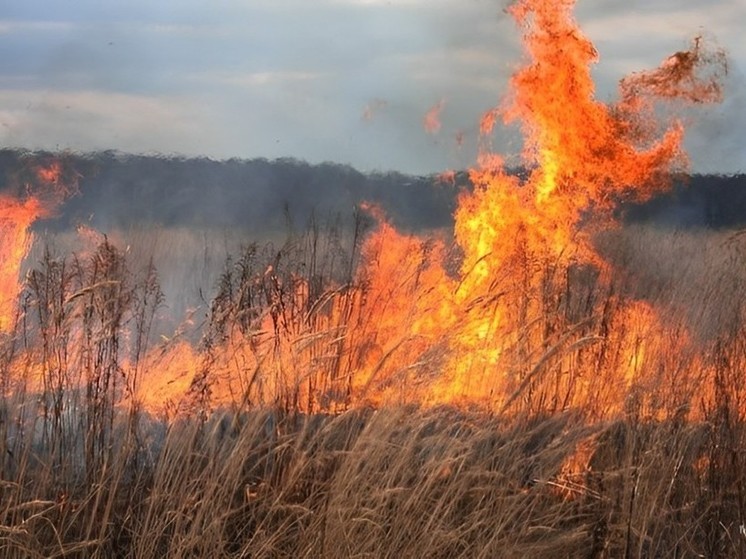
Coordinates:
86 472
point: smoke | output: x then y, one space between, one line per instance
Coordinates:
715 142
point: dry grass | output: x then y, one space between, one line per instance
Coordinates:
388 483
87 473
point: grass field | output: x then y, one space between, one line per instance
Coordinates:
571 462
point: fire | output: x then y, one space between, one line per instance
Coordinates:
491 331
520 316
447 177
17 214
49 183
582 156
16 218
694 75
431 122
51 174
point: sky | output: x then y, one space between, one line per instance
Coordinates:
347 81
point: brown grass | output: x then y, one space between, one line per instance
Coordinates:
87 473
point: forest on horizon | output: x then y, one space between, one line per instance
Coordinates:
117 190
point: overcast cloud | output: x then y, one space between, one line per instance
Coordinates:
348 81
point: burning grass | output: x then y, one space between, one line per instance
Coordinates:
648 467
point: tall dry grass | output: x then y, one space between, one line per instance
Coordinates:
86 472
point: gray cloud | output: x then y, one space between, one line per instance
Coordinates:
98 119
292 78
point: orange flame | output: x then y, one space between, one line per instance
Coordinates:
51 174
16 217
489 331
431 122
447 177
496 322
582 156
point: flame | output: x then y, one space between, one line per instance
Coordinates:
520 316
16 217
582 156
447 177
431 121
50 174
491 331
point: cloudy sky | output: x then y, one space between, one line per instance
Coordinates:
348 81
